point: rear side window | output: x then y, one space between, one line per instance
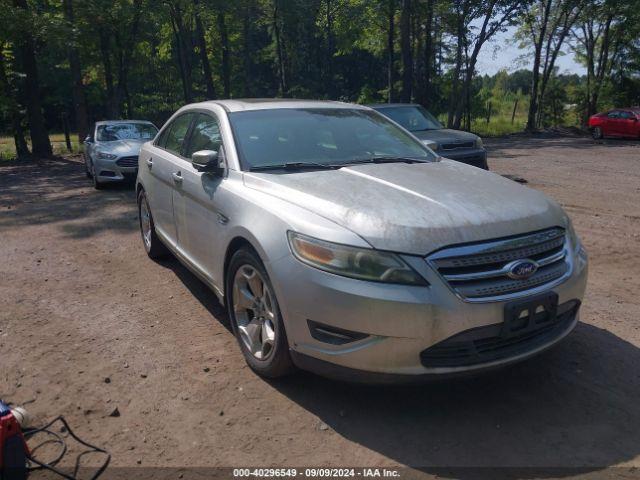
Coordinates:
614 114
176 133
205 135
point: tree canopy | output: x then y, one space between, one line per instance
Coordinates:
96 59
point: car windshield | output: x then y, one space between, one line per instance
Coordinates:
413 118
320 136
125 131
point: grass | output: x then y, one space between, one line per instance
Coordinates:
8 150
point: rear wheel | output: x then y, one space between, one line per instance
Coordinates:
152 244
255 316
596 133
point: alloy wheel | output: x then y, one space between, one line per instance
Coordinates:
145 223
253 308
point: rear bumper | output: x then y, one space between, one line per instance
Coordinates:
476 157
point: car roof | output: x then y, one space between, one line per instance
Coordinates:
378 106
115 122
245 104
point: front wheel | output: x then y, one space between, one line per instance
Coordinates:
86 167
255 316
596 133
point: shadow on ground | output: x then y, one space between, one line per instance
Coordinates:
496 146
571 410
574 406
37 192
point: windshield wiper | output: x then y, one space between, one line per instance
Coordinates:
294 166
386 159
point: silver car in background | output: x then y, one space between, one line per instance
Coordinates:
340 244
111 149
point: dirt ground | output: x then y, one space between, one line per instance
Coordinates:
88 323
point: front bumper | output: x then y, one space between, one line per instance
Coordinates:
471 156
112 170
400 322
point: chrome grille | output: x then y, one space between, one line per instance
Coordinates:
453 146
481 271
127 162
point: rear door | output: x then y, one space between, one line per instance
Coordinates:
161 162
197 200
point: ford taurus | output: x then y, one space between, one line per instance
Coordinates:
341 244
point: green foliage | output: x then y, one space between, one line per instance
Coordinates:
329 49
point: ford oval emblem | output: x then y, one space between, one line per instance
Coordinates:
522 269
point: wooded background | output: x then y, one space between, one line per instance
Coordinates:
71 62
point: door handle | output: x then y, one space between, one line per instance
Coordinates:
149 163
177 177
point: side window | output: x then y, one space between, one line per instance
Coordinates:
177 132
162 139
614 114
205 135
626 115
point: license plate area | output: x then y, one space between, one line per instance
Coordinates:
529 315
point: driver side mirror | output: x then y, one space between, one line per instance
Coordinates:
207 161
88 139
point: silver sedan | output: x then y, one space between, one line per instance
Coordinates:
111 149
341 244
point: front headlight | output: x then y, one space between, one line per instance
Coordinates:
106 156
479 143
354 262
576 244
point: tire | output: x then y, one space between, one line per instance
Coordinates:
97 184
86 168
269 356
151 243
596 133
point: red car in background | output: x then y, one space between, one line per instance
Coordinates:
622 122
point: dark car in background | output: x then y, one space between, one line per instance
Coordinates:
453 144
621 122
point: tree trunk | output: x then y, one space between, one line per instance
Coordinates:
538 42
7 91
125 54
40 144
407 57
246 50
455 81
279 49
428 55
183 62
329 84
113 105
79 97
226 66
391 74
204 58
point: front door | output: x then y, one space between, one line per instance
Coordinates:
162 162
197 201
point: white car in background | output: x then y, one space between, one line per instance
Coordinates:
111 149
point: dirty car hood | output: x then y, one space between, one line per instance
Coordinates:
415 208
445 135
